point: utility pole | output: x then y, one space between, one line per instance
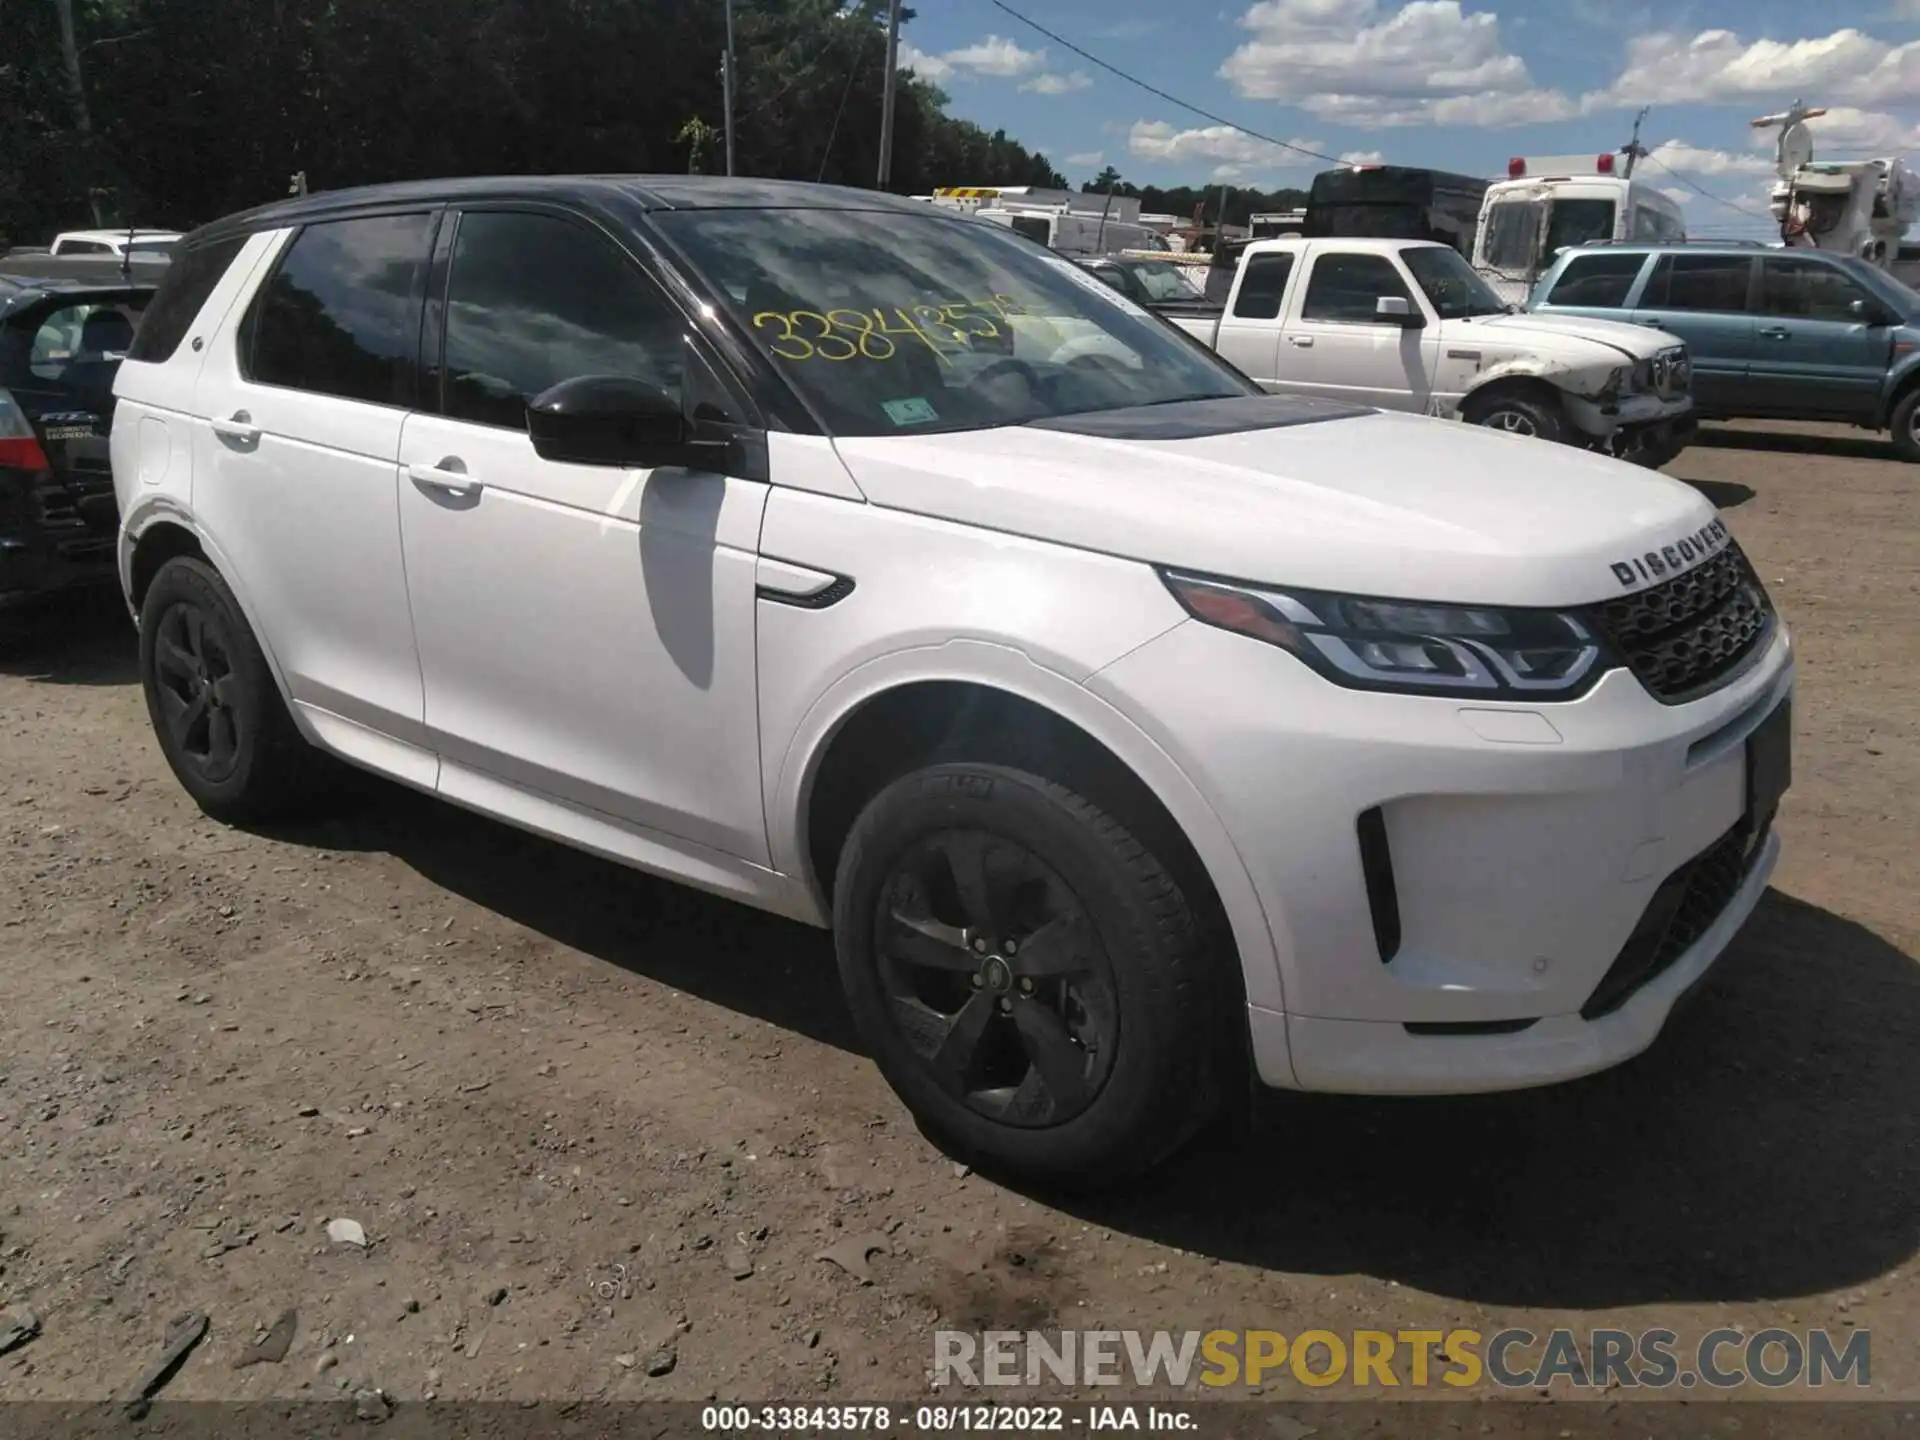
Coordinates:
1635 150
886 93
726 85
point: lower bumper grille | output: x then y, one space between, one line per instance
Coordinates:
1681 911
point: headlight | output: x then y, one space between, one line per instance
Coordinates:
1405 645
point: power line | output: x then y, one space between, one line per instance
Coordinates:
1155 90
1701 189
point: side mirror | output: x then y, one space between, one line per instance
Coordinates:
1869 313
1398 310
616 420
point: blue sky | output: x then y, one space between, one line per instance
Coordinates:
1454 84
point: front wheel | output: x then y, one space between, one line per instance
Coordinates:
1028 975
1518 415
1906 426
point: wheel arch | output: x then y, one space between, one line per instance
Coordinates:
1526 384
991 702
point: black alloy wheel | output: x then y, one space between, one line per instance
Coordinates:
198 691
996 978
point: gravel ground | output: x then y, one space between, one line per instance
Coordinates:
597 1131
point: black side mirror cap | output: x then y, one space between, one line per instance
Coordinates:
617 420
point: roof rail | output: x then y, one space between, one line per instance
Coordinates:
1690 240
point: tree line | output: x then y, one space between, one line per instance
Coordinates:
171 113
1189 202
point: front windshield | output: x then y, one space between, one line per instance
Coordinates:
1579 222
1451 286
1510 239
887 323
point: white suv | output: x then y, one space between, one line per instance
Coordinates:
1129 727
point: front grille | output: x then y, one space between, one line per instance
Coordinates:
1692 633
1681 911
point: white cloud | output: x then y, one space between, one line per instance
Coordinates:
1693 160
1237 151
1357 63
1362 157
996 56
1676 194
1718 67
1088 158
927 67
1049 83
1843 129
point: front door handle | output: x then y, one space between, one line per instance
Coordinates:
240 427
449 476
1305 342
1775 332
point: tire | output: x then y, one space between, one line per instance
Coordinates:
216 711
1080 1059
1518 414
1906 426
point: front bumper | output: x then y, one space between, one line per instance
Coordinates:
1604 423
1525 845
34 563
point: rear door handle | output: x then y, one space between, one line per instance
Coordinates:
441 477
1305 342
240 427
1776 333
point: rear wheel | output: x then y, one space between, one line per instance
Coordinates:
1027 974
219 717
1518 414
1906 425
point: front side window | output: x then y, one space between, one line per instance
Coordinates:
1349 288
1600 282
533 300
892 322
1263 286
341 315
1451 285
85 247
1699 282
1807 290
1158 280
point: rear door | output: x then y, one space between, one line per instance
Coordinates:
1812 356
1707 300
1249 333
296 474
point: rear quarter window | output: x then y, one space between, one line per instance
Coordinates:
188 283
1596 281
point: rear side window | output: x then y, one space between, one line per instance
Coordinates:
1263 286
1597 281
184 289
1699 282
1348 287
84 247
341 315
533 300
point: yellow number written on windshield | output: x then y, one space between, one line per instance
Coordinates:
845 334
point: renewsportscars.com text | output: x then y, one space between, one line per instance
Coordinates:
1510 1359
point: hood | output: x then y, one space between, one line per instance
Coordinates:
1368 503
1568 337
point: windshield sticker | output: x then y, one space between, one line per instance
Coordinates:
911 411
846 334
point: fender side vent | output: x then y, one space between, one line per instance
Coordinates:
819 600
1376 864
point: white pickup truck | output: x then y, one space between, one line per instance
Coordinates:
1408 325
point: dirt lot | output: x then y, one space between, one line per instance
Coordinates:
594 1126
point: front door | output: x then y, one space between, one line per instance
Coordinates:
586 632
1336 345
294 473
1249 333
1812 356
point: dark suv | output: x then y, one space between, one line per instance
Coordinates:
1775 334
